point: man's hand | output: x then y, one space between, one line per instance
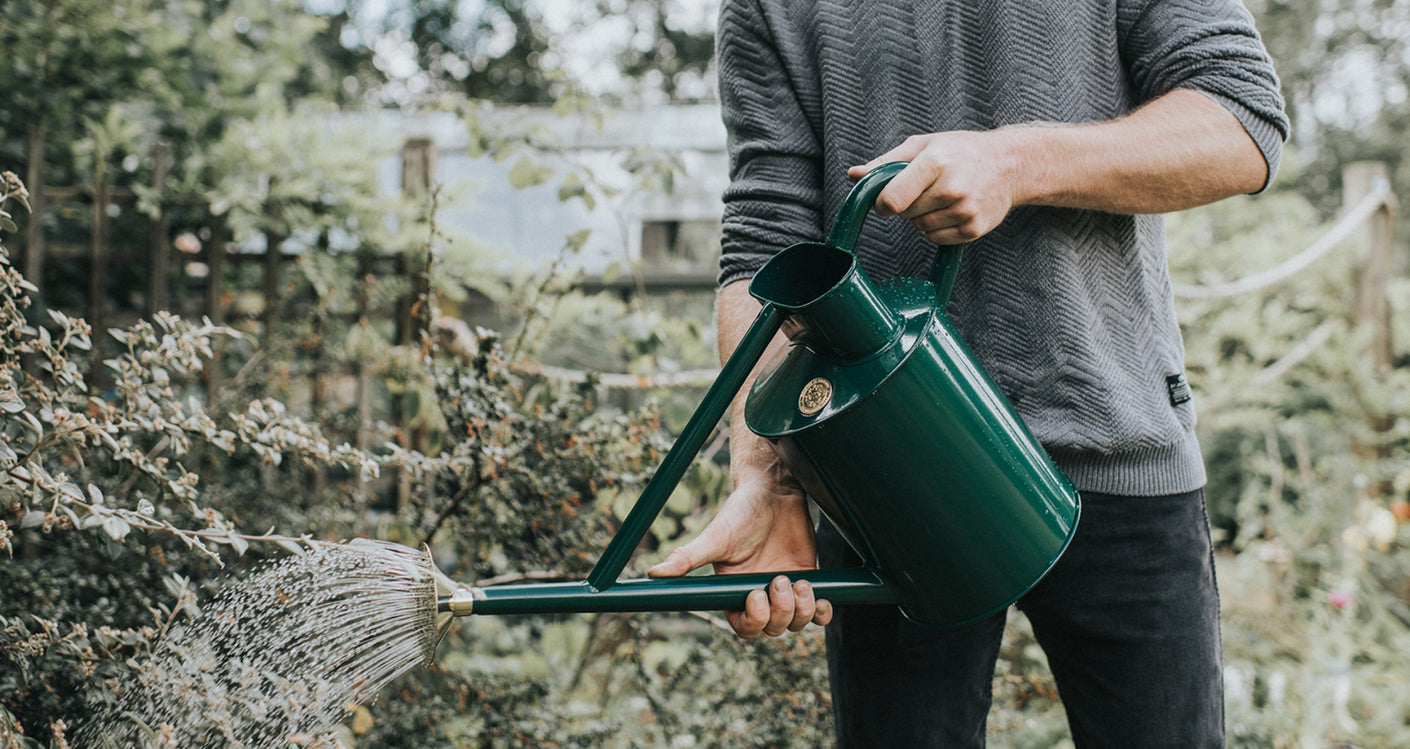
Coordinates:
761 527
958 187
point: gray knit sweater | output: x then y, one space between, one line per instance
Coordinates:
1070 311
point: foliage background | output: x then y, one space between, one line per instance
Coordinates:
125 504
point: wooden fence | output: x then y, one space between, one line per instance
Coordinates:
53 264
116 277
1370 210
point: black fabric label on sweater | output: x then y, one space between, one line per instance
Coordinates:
1179 389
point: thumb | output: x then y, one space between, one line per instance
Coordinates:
693 555
907 151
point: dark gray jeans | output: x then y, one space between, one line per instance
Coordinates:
1128 618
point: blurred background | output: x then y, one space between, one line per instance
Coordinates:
443 271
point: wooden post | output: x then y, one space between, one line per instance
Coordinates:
1371 307
33 267
215 300
273 258
159 257
317 361
1375 259
32 264
364 372
215 258
418 167
98 275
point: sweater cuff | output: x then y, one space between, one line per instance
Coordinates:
1265 134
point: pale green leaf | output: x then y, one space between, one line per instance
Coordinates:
577 239
611 272
116 527
525 173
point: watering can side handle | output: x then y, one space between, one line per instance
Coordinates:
847 228
717 400
944 272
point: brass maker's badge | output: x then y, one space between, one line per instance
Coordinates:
815 395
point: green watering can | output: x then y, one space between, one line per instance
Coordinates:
891 425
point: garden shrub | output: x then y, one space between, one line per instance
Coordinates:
123 512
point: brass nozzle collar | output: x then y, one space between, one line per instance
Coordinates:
461 602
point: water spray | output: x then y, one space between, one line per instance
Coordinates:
252 670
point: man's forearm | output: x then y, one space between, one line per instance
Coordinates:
750 454
1179 151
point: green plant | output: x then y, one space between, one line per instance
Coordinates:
1313 553
119 512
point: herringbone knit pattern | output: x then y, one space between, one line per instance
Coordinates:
1071 311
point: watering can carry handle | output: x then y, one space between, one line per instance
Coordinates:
847 227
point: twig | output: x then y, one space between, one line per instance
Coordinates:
714 621
157 448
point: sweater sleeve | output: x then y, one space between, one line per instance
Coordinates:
775 194
1210 46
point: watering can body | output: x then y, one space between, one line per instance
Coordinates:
907 446
889 422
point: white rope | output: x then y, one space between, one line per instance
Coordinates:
1348 223
1296 354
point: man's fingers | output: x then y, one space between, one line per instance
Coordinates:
781 606
942 219
750 622
804 606
901 193
905 152
675 564
954 225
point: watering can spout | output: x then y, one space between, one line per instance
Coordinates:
696 593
